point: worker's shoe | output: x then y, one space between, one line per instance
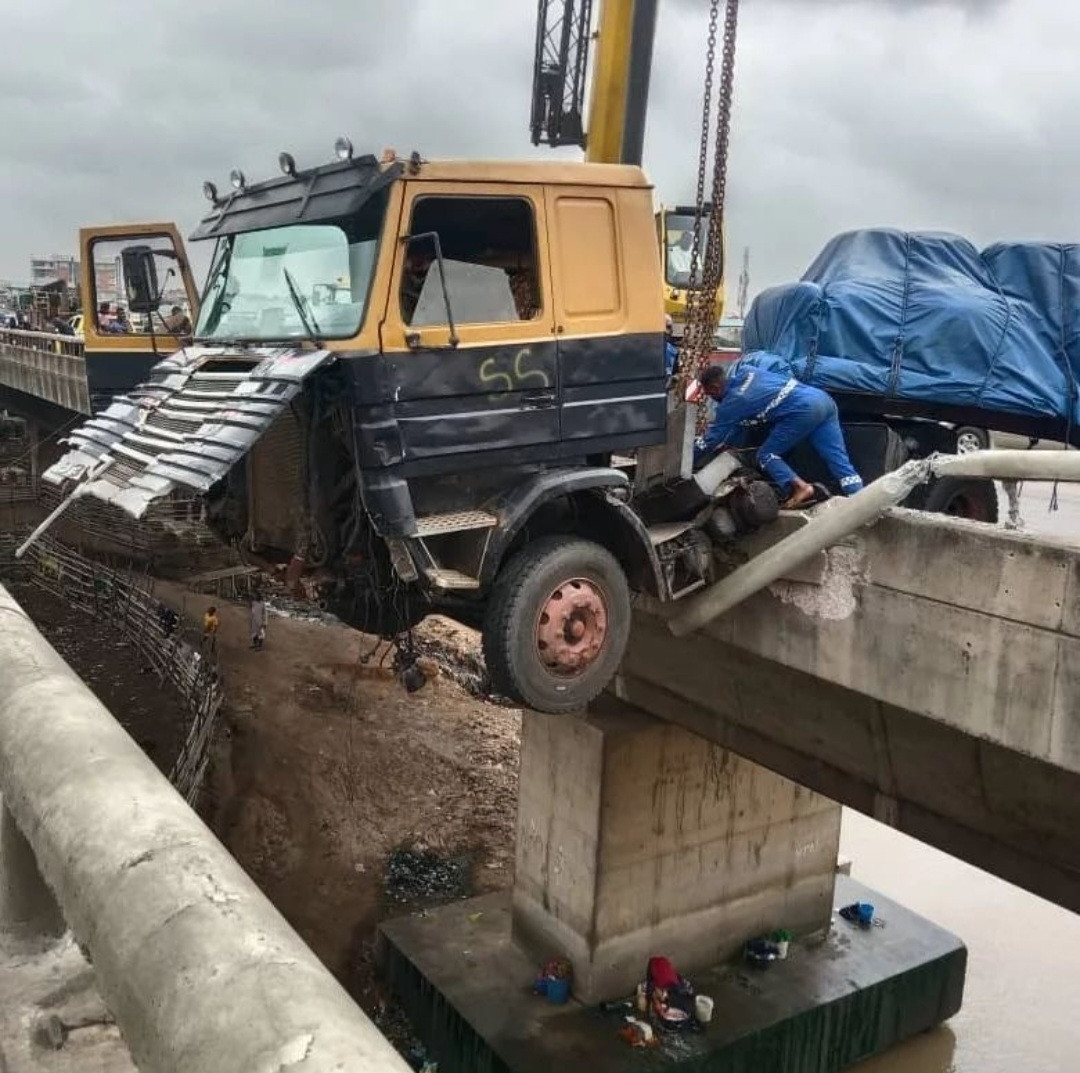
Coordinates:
802 495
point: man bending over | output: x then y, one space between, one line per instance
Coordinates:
752 397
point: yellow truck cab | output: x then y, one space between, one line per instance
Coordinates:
416 380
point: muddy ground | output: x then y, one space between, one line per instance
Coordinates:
120 678
325 769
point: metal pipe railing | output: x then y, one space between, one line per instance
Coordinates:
843 517
200 971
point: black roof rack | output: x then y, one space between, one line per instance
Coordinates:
324 193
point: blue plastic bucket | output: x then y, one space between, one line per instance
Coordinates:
558 991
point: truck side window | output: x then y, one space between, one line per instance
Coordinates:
489 255
108 289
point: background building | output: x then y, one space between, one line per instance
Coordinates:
56 267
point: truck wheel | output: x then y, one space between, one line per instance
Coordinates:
963 497
557 623
969 439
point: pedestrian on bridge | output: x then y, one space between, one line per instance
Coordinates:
751 398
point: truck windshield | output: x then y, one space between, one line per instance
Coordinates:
679 245
292 282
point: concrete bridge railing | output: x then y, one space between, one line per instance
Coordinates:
48 366
200 971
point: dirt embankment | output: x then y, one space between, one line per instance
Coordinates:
115 671
325 766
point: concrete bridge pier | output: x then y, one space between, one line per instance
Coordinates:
636 837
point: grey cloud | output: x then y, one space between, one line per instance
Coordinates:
848 112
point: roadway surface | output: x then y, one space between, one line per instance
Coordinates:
1035 509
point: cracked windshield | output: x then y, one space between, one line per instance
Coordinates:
309 281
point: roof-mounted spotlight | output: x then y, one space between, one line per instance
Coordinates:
414 163
210 191
287 164
236 177
343 149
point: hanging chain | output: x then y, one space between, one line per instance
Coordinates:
701 299
703 155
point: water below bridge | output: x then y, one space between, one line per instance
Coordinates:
1020 1010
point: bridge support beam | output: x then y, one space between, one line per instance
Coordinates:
929 677
636 838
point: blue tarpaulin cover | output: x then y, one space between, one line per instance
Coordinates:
929 319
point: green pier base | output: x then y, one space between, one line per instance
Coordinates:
833 1002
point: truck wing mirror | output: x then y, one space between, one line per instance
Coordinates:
413 338
140 279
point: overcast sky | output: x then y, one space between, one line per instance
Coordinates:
953 114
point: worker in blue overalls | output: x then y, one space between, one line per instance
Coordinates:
752 397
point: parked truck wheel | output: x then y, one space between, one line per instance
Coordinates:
970 439
557 623
963 497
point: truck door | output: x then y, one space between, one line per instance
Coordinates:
486 392
608 318
124 334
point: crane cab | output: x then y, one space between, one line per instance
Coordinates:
675 235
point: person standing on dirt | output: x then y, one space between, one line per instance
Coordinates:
210 623
753 397
258 621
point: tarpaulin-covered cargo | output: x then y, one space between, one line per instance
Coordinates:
925 324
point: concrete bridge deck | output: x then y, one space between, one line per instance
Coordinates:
926 672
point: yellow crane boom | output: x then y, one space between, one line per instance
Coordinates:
615 128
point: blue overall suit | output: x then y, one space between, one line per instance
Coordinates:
793 412
671 357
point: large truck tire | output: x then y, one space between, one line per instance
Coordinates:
556 625
962 497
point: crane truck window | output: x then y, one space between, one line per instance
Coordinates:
489 260
112 292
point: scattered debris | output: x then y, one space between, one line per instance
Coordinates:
860 914
53 1032
638 1033
783 938
416 874
554 981
761 952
